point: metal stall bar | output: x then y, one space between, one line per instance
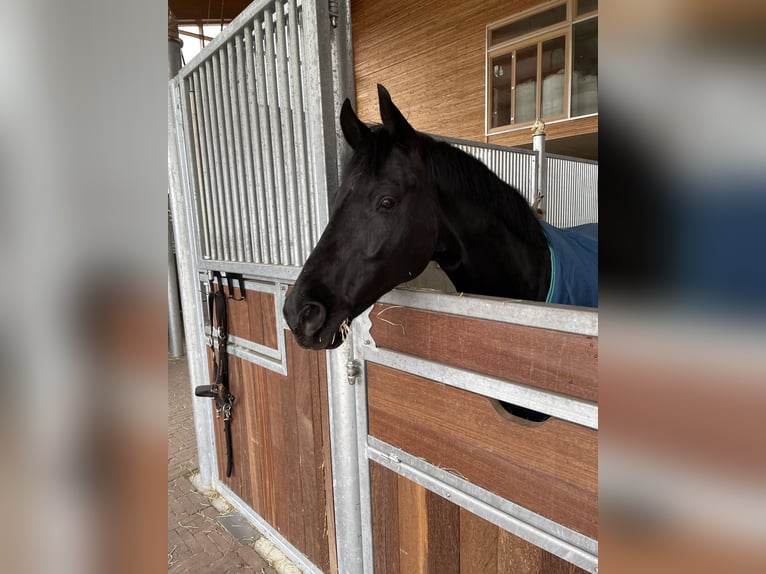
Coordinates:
216 245
206 200
296 92
257 152
276 134
291 184
268 156
233 208
191 304
238 128
245 109
215 119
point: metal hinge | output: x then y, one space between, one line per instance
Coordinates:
333 9
353 370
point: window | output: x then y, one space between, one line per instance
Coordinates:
543 63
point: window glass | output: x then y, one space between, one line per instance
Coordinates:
529 24
526 85
585 68
552 68
502 78
585 6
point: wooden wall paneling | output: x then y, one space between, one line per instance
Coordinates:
562 362
278 453
293 497
324 469
443 524
385 519
309 455
478 544
551 468
239 316
416 531
413 528
261 318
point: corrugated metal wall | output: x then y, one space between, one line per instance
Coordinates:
572 191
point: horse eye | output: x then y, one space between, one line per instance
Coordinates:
386 203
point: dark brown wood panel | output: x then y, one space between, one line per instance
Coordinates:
551 468
444 537
252 318
551 360
385 520
280 435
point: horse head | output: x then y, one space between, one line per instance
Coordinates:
382 230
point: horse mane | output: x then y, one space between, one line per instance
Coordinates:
461 172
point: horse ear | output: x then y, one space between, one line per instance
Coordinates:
353 128
393 120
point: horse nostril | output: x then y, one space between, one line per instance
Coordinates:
311 318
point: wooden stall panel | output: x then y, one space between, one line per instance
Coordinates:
416 531
280 436
562 362
550 468
253 318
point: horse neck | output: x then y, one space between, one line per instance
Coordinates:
493 248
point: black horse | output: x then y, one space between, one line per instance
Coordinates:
407 199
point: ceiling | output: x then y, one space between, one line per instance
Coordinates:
211 10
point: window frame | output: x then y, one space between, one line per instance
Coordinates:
564 28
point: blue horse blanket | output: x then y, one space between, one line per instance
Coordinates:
574 264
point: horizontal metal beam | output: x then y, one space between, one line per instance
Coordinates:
565 318
557 405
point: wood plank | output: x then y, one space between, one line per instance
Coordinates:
443 523
416 531
385 519
413 527
517 555
551 360
551 468
478 544
322 442
293 493
268 320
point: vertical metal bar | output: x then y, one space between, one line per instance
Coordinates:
300 133
246 118
320 108
228 213
255 135
268 156
291 185
276 134
213 217
345 460
215 119
199 126
228 130
191 305
236 80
